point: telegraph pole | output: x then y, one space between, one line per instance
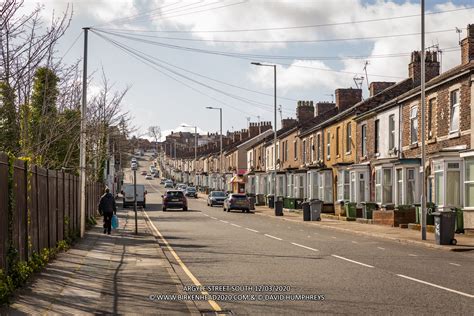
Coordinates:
423 119
82 146
135 198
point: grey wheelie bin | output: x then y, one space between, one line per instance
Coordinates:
445 224
306 211
316 206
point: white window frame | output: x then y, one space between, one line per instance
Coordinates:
318 147
363 140
413 119
343 186
338 143
303 144
452 108
380 185
328 146
325 186
377 136
391 131
467 182
312 184
299 187
289 184
311 144
348 138
443 167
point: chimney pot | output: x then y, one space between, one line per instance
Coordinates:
467 46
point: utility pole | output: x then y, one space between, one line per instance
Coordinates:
82 146
135 198
423 119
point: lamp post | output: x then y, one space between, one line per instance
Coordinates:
423 119
195 142
220 117
275 122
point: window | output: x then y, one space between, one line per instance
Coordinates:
304 151
454 123
362 189
359 190
295 149
348 138
383 185
328 148
410 192
311 144
353 187
325 186
391 132
399 175
314 185
377 136
280 185
286 150
343 185
469 182
430 118
289 181
447 183
337 140
278 151
318 146
414 125
364 141
299 186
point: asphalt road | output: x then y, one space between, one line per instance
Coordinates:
355 274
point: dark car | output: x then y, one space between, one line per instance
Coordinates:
174 199
237 202
191 192
216 198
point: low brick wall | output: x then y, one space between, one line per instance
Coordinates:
394 218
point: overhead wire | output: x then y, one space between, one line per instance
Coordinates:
155 64
266 29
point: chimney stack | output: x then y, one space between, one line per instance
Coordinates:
304 111
345 98
467 46
431 66
288 122
378 86
253 129
322 107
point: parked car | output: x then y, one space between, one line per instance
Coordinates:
127 193
148 177
143 173
156 174
162 181
236 201
168 184
191 192
216 198
174 199
181 187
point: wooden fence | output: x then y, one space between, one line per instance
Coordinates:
45 207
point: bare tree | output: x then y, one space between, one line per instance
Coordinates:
155 133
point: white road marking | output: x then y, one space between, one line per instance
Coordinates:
224 221
302 246
236 225
412 255
205 214
273 237
354 242
213 217
437 286
252 230
455 264
353 261
334 237
381 248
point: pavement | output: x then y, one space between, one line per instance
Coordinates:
105 274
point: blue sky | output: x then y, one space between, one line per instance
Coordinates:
155 99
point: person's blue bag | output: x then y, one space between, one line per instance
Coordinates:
115 222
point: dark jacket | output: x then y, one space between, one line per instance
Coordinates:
107 204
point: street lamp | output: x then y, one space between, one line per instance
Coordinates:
275 123
220 116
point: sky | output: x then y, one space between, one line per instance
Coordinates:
179 57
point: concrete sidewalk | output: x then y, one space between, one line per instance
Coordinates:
106 274
407 236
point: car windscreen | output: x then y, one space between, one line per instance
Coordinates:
218 194
239 196
174 194
191 189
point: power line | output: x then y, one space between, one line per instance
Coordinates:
148 61
287 41
304 26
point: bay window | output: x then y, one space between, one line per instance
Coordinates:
325 186
383 186
299 185
411 187
281 184
469 182
447 175
289 181
359 186
399 182
343 185
313 186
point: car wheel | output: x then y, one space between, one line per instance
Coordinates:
185 208
164 209
212 205
243 211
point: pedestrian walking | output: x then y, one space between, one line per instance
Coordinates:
107 209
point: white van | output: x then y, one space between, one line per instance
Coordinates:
127 192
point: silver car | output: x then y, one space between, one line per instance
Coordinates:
236 201
216 198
